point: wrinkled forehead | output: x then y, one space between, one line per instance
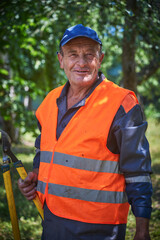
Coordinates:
82 42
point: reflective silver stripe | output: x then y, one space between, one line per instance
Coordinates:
41 186
45 156
85 163
80 162
138 179
87 194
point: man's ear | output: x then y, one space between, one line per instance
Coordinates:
60 58
101 59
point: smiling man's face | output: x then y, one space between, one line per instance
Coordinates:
81 59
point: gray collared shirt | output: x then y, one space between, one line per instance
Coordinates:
64 115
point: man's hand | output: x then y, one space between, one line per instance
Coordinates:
142 229
28 185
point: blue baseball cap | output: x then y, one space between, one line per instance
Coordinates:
79 31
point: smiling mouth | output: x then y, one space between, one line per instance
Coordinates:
81 71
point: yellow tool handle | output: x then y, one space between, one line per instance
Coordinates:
23 174
11 202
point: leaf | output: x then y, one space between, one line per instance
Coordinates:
4 71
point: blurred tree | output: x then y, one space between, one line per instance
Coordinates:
134 25
30 34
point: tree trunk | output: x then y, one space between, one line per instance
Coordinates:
129 47
11 130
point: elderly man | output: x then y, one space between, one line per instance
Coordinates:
93 159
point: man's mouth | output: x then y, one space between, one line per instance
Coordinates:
81 71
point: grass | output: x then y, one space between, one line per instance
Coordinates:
29 220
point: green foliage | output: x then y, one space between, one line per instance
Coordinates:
30 35
150 91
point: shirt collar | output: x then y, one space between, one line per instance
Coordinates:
63 94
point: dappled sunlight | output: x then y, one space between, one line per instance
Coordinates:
102 101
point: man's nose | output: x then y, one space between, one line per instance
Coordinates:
82 61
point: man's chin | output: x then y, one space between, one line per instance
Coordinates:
85 79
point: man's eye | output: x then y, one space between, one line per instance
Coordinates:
73 55
89 55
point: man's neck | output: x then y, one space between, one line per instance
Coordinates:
75 95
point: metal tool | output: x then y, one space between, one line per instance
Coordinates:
10 197
6 146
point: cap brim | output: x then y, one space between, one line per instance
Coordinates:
63 43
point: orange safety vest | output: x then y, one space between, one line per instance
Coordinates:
79 177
